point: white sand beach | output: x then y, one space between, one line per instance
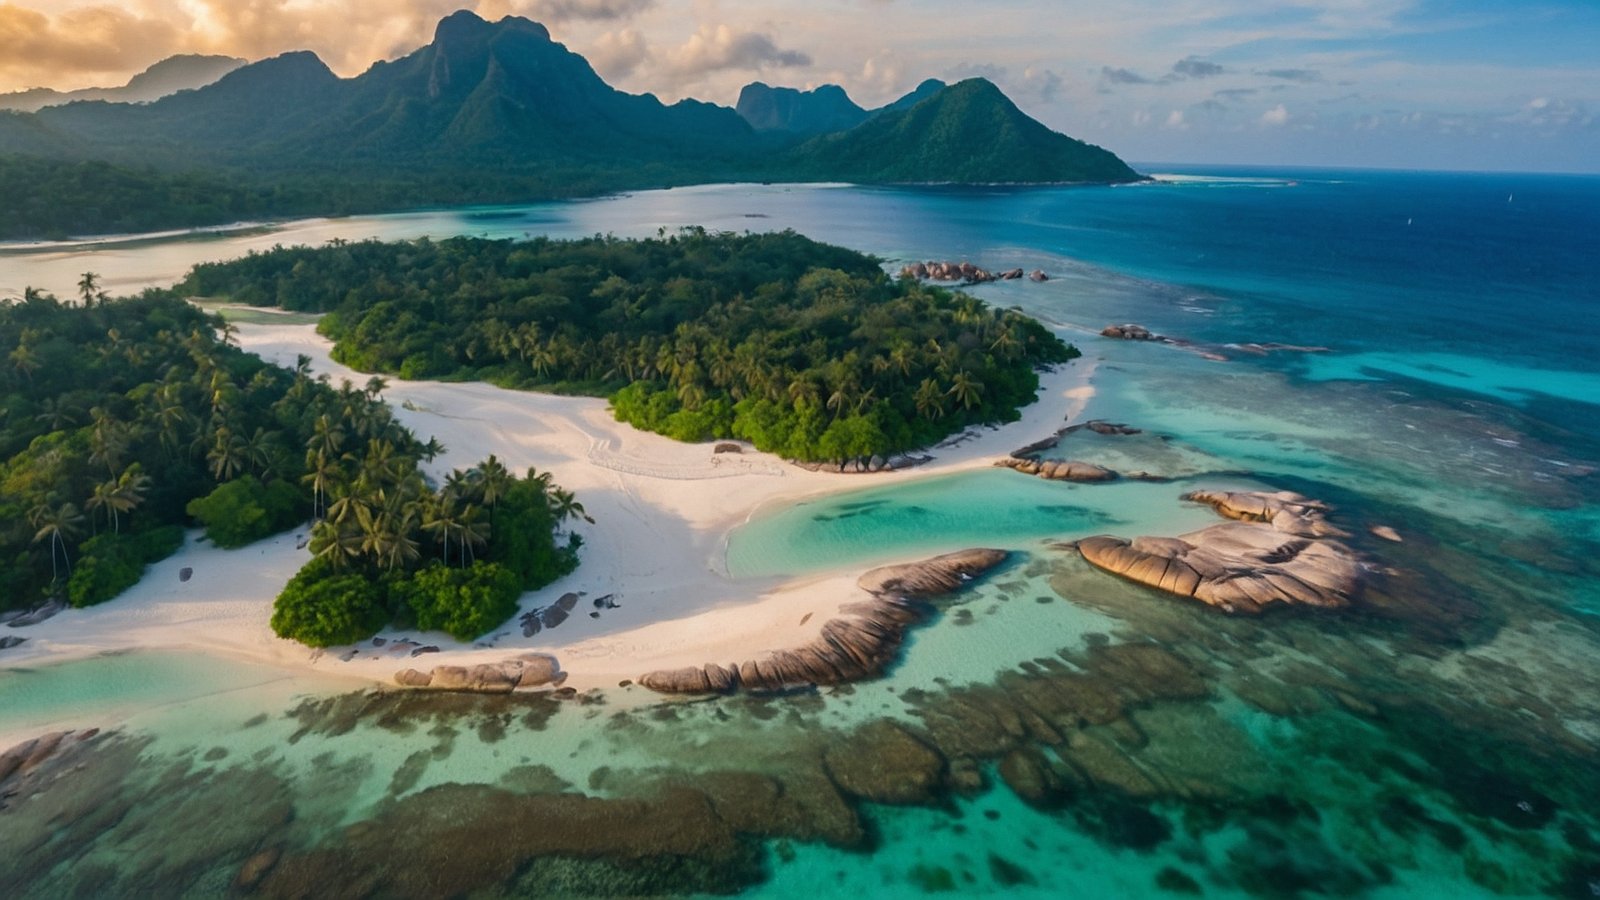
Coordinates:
661 510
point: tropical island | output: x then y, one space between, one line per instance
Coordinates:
124 420
485 113
807 351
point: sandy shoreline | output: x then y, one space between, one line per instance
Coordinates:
662 513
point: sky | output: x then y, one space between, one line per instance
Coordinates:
1412 84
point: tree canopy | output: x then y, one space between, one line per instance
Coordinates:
119 419
805 349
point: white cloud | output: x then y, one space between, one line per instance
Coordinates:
714 48
616 54
1278 115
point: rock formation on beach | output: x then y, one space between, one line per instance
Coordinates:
857 644
1059 470
965 272
528 671
1279 549
1130 332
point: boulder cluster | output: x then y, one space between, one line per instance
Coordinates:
864 466
1279 550
525 672
20 762
1130 332
965 272
857 644
1059 470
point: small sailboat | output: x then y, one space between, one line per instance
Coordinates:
1509 196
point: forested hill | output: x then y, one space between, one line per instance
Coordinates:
805 349
493 112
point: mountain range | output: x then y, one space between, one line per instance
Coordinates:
184 72
500 112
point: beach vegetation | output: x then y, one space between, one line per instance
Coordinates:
323 606
807 350
124 420
244 510
110 563
462 602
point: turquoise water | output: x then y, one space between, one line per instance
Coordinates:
992 507
1440 740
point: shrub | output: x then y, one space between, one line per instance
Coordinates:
465 603
245 510
109 564
322 608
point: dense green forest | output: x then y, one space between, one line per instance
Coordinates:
122 420
804 349
53 199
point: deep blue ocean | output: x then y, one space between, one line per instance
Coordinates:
1420 350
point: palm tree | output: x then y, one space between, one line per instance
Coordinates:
965 389
126 493
109 440
337 543
89 287
432 449
327 438
25 361
929 399
101 499
567 506
491 480
56 523
323 471
56 413
228 455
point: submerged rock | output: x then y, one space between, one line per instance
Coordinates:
1281 550
855 645
1029 775
883 763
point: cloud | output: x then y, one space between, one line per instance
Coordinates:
103 42
80 42
616 54
721 47
1304 76
1278 115
1195 67
1234 93
1122 76
1175 121
582 10
1548 113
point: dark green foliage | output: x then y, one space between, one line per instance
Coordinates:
109 564
115 415
522 537
244 510
321 607
805 349
463 603
969 132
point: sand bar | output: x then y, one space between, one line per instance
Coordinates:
662 511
